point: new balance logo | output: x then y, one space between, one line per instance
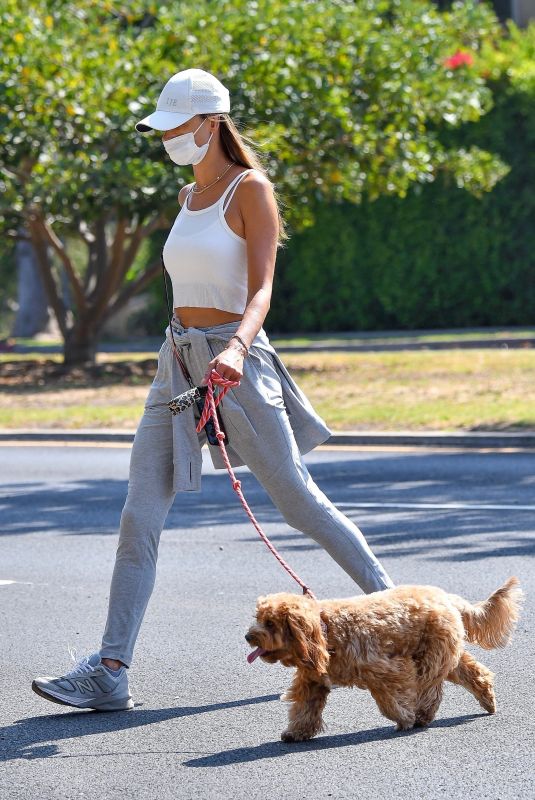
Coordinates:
85 685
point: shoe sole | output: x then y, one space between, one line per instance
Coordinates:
112 705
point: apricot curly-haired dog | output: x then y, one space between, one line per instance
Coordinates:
400 643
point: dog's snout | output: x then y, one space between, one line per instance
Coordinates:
248 637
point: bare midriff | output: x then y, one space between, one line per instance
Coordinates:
195 317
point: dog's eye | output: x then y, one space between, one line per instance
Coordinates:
269 624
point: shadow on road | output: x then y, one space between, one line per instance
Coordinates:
89 507
22 739
37 737
272 749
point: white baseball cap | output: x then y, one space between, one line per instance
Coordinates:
190 92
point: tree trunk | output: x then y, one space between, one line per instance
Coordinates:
80 347
83 305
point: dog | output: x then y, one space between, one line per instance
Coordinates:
401 644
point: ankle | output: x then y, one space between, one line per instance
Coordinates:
112 663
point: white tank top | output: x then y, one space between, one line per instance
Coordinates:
205 259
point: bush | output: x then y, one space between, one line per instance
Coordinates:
439 257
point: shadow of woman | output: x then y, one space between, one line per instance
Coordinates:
36 737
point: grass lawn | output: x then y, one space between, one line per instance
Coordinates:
480 389
426 390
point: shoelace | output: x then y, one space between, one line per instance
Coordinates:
81 665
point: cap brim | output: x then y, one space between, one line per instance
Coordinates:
163 120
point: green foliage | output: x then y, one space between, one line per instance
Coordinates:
349 101
346 97
440 257
71 79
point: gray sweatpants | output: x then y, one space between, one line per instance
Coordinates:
272 456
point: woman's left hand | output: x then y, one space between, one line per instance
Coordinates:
228 363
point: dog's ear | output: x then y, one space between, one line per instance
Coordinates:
304 627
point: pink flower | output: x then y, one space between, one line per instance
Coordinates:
458 59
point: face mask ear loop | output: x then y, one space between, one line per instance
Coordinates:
192 132
200 126
211 132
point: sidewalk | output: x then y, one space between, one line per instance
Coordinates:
496 440
350 341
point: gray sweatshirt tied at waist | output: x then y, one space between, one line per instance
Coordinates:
241 408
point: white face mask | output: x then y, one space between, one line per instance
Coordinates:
183 150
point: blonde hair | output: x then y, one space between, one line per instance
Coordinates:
242 150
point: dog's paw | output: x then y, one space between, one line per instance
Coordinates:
488 702
421 723
286 736
294 736
405 726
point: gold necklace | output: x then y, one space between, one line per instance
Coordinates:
211 184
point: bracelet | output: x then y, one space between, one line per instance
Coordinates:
235 336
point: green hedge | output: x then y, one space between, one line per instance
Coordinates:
437 258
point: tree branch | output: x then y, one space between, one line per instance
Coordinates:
132 289
39 243
56 244
141 232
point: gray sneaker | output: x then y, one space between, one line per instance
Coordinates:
90 684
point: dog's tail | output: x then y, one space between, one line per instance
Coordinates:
491 622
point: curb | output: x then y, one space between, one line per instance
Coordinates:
386 347
526 342
488 439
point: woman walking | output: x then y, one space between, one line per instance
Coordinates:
220 255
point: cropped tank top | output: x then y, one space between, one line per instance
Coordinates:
205 259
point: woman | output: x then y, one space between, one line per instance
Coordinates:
220 254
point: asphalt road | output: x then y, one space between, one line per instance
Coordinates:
207 724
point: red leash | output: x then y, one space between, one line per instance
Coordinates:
209 410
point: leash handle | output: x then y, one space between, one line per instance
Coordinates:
214 400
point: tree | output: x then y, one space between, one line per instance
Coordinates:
347 98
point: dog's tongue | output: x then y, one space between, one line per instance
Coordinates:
255 653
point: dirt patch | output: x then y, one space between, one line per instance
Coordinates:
16 375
